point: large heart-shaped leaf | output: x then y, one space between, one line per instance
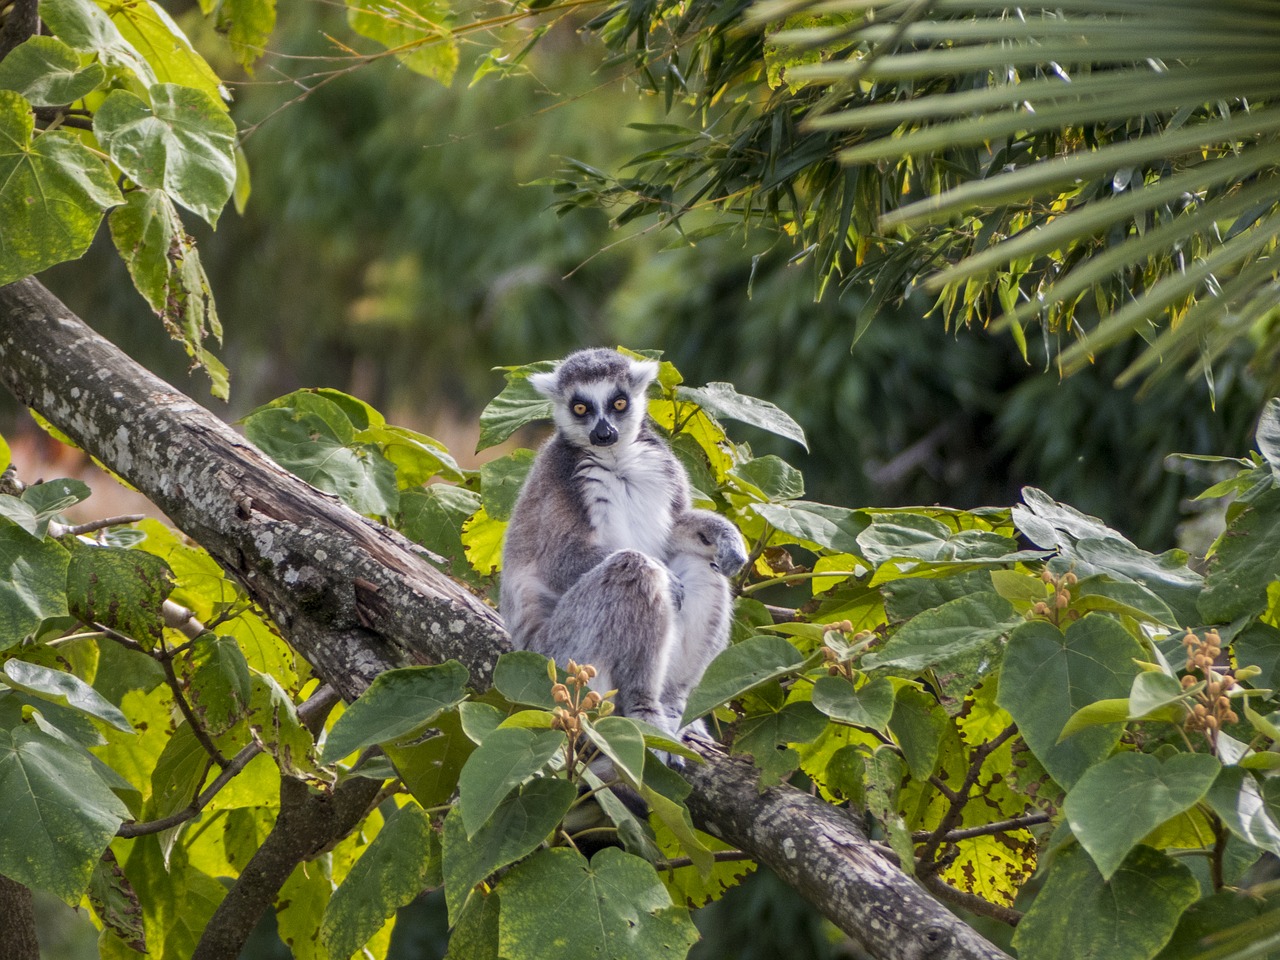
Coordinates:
33 582
1118 802
182 142
48 72
53 190
85 26
58 813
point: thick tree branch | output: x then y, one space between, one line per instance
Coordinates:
17 922
307 823
355 599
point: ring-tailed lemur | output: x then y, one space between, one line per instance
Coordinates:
705 549
581 576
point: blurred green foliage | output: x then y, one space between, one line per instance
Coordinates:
392 247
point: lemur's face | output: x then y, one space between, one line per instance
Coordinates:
709 535
597 397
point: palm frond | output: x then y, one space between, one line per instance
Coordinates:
1126 147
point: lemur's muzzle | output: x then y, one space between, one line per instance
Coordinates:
603 434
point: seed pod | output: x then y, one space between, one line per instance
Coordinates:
1211 722
1230 717
1188 682
1070 579
833 671
1200 710
1046 575
560 693
591 701
1041 608
1063 598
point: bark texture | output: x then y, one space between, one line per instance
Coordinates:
355 599
17 922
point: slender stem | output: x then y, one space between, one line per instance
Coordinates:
1219 850
720 856
238 763
197 728
62 530
796 578
987 829
967 901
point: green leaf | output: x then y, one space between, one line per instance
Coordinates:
740 668
121 589
960 641
517 405
835 528
1237 798
724 402
1047 676
146 26
517 827
390 873
416 31
48 72
179 772
398 704
475 935
1123 598
58 814
181 142
63 688
313 439
248 25
433 517
764 736
521 676
417 457
1154 696
870 705
1246 560
53 191
33 577
507 757
220 684
619 739
918 723
556 906
430 769
772 476
501 480
166 268
482 537
84 25
115 903
1118 802
1079 914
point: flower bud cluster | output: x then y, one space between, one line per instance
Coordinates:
575 699
1213 706
841 649
1055 608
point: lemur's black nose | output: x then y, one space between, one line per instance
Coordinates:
603 434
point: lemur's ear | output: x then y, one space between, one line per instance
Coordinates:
544 383
642 373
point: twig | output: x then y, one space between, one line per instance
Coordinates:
197 728
796 578
238 763
1001 826
79 529
927 864
720 856
967 901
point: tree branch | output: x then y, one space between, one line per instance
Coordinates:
21 23
355 598
17 922
307 824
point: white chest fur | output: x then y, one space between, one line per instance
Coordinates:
628 498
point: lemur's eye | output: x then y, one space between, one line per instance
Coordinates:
703 538
620 404
579 409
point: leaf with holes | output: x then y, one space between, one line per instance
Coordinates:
121 589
